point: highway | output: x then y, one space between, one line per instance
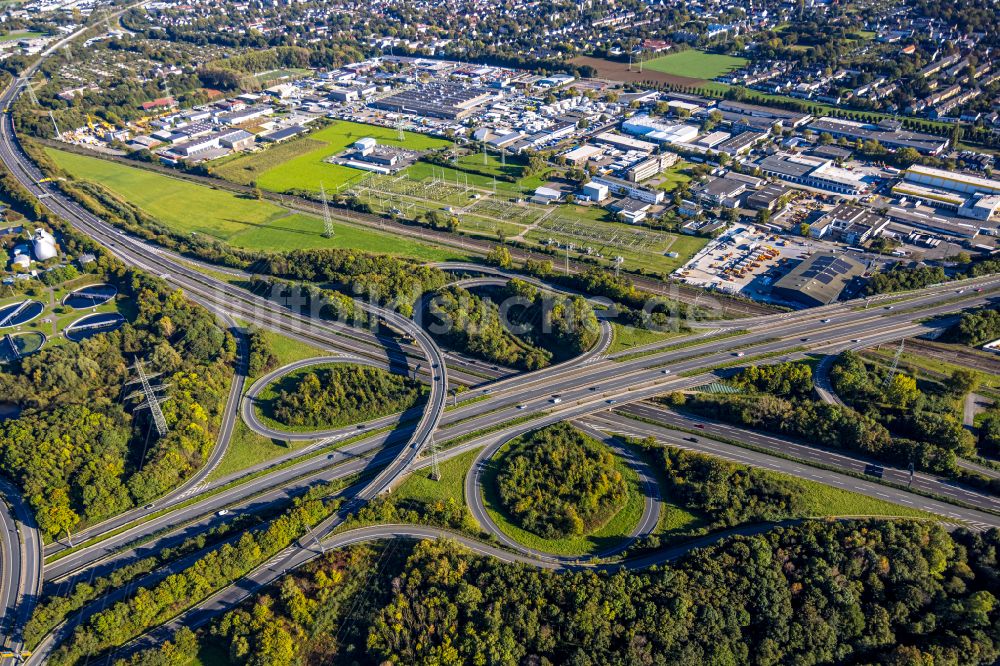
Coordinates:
583 388
20 569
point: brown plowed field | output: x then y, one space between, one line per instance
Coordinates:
619 71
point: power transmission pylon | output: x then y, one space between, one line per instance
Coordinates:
435 463
53 119
327 222
152 400
895 362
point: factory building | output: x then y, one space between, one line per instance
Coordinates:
887 132
814 172
818 280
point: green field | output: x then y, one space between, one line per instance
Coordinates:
247 448
627 337
695 64
420 488
306 170
13 36
259 225
674 176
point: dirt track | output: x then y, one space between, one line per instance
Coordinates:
619 71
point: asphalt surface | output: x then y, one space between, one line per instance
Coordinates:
20 569
972 517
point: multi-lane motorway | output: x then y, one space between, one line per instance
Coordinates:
489 414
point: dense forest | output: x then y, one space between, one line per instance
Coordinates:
923 411
822 424
782 379
527 330
79 449
724 494
855 592
337 395
558 482
975 328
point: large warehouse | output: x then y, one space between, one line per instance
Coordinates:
449 101
818 280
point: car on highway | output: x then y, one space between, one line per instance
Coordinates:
665 371
690 439
556 400
874 470
522 406
856 340
611 401
738 354
699 425
826 321
889 307
222 512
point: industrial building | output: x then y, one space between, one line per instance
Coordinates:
849 224
595 192
650 167
887 133
624 142
739 144
786 118
767 197
964 195
644 126
812 172
625 188
449 101
721 191
818 280
951 180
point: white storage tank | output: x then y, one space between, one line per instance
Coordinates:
44 245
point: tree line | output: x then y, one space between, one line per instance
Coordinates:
149 608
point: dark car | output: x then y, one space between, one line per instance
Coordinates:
874 470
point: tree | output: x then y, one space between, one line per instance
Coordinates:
804 229
962 381
500 256
902 391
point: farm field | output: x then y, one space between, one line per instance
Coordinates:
257 225
306 170
695 64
